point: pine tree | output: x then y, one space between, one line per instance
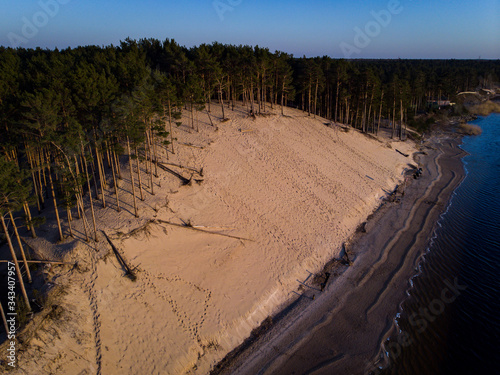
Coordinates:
14 190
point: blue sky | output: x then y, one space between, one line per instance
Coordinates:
404 28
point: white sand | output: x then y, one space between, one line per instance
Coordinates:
292 187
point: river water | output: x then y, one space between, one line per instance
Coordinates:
450 322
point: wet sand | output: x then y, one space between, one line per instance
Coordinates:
340 330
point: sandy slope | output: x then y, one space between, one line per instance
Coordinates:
286 192
357 308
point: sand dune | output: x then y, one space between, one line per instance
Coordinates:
285 191
357 308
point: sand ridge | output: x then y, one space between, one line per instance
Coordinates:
286 190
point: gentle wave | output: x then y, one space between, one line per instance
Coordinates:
464 249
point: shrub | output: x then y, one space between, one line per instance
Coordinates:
485 109
469 129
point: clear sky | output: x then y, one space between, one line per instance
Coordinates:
344 28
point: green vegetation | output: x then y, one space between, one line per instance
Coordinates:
67 117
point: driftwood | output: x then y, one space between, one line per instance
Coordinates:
200 230
200 172
41 261
183 179
133 232
215 228
190 145
362 227
392 196
344 257
130 272
327 277
405 155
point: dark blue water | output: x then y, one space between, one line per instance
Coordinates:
450 323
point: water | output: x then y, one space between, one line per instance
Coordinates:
450 323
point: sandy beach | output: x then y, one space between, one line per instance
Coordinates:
341 329
272 200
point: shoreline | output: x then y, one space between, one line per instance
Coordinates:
359 303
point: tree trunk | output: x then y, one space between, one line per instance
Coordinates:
271 97
282 95
92 166
139 173
115 186
275 97
363 115
258 91
155 155
39 165
80 189
252 111
150 160
118 169
309 99
23 255
170 125
370 110
132 176
393 117
197 122
146 151
102 179
401 120
264 91
327 101
233 96
380 111
28 215
357 115
346 111
16 264
55 206
68 214
210 118
108 158
316 98
4 320
192 116
221 101
229 92
90 193
35 182
79 203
